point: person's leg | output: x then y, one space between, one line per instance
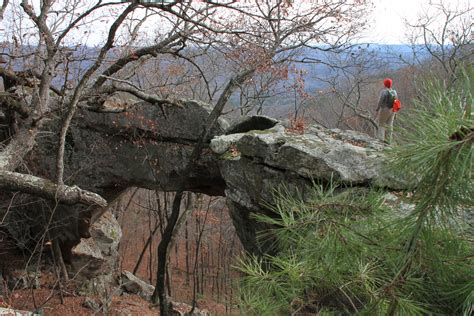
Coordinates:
381 132
383 119
390 127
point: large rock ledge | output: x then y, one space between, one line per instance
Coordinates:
107 153
255 163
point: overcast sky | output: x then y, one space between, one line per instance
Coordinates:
387 23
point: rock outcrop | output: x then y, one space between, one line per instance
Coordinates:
145 147
134 285
142 147
107 153
255 163
106 234
95 258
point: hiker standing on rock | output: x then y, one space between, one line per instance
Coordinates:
387 106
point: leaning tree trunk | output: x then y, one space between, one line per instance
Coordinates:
163 248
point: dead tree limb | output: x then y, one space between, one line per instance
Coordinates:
14 181
9 102
21 144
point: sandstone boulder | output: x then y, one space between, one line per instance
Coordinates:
255 163
134 285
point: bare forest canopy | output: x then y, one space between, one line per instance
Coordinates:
79 125
311 60
315 65
254 40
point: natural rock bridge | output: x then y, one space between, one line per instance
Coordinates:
142 147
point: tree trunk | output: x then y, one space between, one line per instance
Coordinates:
159 295
59 259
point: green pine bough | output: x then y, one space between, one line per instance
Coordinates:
346 252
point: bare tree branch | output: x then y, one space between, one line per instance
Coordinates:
21 144
3 8
80 88
160 48
9 102
14 181
23 78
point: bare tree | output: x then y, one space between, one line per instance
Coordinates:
444 32
264 38
351 86
253 37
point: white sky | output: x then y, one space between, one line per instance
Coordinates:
388 18
386 22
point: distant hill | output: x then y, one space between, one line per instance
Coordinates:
383 58
392 57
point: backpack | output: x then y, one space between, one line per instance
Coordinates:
394 101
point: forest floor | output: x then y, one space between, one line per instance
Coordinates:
212 272
49 303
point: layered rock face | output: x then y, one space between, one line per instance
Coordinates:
255 163
95 258
145 147
107 153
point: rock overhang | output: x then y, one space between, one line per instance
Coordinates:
255 163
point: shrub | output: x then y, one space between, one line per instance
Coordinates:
349 253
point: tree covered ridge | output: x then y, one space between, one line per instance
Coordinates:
352 253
